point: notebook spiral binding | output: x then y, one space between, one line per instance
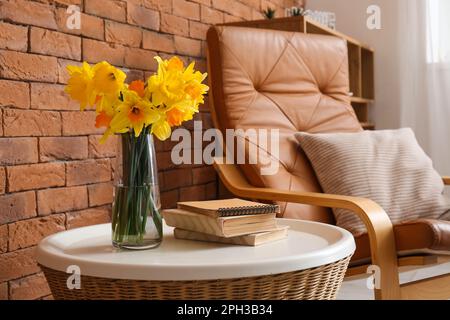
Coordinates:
248 210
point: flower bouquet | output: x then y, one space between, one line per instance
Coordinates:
137 111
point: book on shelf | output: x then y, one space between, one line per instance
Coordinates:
224 226
228 207
254 239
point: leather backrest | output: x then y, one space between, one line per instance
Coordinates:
263 79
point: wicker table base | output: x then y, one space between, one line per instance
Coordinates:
311 284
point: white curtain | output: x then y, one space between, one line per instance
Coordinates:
424 46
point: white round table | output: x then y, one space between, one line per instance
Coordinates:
309 245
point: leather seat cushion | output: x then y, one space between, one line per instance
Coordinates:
416 236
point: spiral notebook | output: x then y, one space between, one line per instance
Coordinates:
228 207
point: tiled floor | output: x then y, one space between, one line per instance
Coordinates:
355 288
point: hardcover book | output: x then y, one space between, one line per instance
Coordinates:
254 239
228 207
223 227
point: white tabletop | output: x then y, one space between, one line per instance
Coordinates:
309 244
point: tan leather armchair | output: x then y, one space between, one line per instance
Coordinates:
264 79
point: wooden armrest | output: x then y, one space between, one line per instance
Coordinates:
377 222
446 180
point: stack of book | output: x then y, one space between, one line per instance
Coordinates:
232 221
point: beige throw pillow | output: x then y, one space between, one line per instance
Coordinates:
387 166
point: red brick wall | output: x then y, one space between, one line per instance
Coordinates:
54 175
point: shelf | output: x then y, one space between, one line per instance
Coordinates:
361 100
367 125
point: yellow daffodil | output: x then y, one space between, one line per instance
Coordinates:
79 86
106 83
166 87
134 113
161 129
171 96
137 86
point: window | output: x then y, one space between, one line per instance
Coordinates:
438 31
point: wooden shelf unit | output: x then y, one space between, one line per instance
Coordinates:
360 59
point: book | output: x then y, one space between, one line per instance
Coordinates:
222 227
254 239
228 207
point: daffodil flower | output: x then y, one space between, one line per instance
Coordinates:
134 113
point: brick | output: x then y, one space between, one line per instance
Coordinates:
1 122
143 17
13 37
192 193
19 123
164 160
98 150
134 75
28 13
211 191
205 2
88 171
100 194
14 94
111 9
229 18
35 176
203 175
96 51
3 238
48 96
169 199
17 206
18 264
177 178
69 2
187 9
2 180
61 199
186 46
4 291
29 288
63 75
175 25
210 15
198 30
257 15
159 5
256 4
140 59
25 66
55 43
28 233
28 151
88 217
123 34
158 41
91 27
79 123
63 148
234 8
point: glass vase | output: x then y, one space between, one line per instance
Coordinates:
136 218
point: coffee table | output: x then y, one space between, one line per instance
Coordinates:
309 264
